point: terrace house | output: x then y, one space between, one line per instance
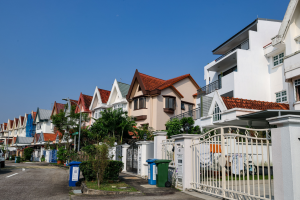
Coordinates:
117 97
30 125
43 121
152 101
98 103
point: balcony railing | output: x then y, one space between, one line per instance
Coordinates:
195 114
243 45
216 85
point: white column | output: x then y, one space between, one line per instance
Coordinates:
158 138
145 151
124 155
183 152
286 163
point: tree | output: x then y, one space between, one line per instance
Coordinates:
182 126
126 122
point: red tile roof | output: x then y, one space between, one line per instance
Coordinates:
231 102
104 95
85 102
15 139
5 126
33 115
22 120
11 123
59 106
8 141
151 82
73 102
17 121
49 136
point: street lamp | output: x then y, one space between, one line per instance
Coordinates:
79 121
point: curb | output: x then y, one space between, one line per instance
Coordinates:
86 190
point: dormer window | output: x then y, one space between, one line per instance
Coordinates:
217 113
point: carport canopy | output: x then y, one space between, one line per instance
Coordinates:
265 114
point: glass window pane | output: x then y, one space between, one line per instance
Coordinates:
275 63
283 93
281 55
275 58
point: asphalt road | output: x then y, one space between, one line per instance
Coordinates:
40 181
36 182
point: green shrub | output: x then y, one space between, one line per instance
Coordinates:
13 157
43 158
27 153
111 172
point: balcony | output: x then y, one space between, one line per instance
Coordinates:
244 45
292 65
195 114
216 85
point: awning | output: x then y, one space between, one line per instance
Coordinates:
12 148
263 115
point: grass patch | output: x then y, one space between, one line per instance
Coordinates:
109 186
71 191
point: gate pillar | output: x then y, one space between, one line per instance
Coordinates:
183 159
124 155
286 163
159 137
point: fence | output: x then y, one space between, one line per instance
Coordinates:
233 162
168 150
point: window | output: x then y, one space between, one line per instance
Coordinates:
139 88
139 103
278 59
182 106
297 89
281 97
170 102
142 102
217 113
190 107
136 104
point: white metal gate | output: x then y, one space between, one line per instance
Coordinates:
233 163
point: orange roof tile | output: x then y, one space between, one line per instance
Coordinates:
17 121
34 115
231 102
59 106
151 82
49 136
104 95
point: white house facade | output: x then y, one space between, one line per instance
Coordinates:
283 54
43 121
99 103
117 97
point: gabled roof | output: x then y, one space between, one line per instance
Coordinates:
57 107
16 122
151 85
24 140
49 137
231 102
4 126
21 120
104 94
10 124
85 102
33 114
43 114
123 88
287 20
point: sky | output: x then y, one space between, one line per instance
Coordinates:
50 50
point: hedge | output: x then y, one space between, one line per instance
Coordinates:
111 172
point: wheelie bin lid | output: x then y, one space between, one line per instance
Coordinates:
74 163
162 161
151 160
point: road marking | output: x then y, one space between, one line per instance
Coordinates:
11 175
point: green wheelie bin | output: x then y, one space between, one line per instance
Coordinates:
18 159
162 167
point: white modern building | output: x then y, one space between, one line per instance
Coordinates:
283 54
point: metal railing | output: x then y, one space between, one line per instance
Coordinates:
195 114
232 50
216 85
168 151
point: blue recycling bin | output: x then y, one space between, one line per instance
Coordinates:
151 171
74 173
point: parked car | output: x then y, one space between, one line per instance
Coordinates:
2 158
